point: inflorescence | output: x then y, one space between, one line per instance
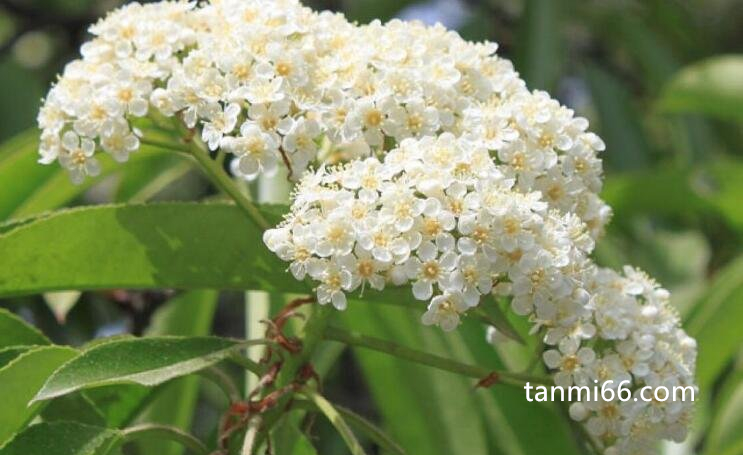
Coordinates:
422 160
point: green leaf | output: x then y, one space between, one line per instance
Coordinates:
715 323
377 435
713 87
669 190
21 95
178 245
57 190
143 179
514 424
144 361
61 438
191 313
19 170
288 440
7 354
121 403
75 407
540 45
21 380
14 331
440 422
724 433
30 188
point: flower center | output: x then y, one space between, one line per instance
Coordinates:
365 268
373 118
570 363
431 227
431 270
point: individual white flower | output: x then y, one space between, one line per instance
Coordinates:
367 118
428 268
334 280
120 142
571 361
300 139
473 277
445 311
220 122
77 157
400 206
129 95
271 117
413 119
256 151
262 90
365 269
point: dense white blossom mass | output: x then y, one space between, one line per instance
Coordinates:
424 160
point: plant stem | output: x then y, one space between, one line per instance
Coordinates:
249 443
424 358
166 432
165 145
222 181
223 381
246 364
312 335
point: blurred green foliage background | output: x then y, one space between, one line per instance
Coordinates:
660 80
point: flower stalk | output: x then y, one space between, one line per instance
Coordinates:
222 181
431 360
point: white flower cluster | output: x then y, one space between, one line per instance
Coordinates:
628 332
268 81
439 214
438 168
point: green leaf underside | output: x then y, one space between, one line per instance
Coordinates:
61 438
21 380
144 361
14 331
178 245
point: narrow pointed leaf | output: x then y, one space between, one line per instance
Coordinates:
144 361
